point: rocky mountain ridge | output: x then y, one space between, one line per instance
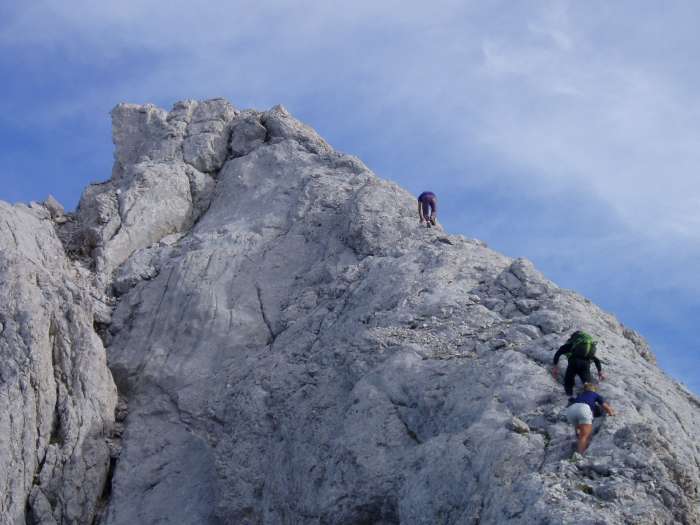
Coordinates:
294 348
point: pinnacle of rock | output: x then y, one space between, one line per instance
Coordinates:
288 345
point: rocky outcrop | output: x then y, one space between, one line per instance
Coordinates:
294 348
161 178
57 397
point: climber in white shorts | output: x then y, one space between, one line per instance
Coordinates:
581 411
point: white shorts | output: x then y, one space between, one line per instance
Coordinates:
579 414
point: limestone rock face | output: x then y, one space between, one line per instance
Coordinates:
193 132
161 179
247 134
205 146
295 348
57 397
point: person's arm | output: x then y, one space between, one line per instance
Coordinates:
598 367
562 349
608 409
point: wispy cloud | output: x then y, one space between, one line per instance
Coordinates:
546 88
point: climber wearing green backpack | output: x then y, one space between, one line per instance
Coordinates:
579 351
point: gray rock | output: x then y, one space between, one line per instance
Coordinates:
147 202
161 180
139 267
201 189
155 203
55 208
549 321
294 348
247 134
205 146
518 425
527 306
281 126
143 134
57 396
640 344
522 280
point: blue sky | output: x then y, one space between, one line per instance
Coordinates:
548 129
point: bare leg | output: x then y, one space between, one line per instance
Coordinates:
584 433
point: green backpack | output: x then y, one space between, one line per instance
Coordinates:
582 345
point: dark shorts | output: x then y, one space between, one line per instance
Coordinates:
577 367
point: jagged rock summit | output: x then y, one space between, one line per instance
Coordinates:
245 326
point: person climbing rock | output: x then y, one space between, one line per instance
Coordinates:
427 208
581 412
579 350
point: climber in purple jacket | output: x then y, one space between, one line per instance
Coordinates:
427 208
580 414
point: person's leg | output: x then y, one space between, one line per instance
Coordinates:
583 370
584 433
569 378
425 203
433 210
